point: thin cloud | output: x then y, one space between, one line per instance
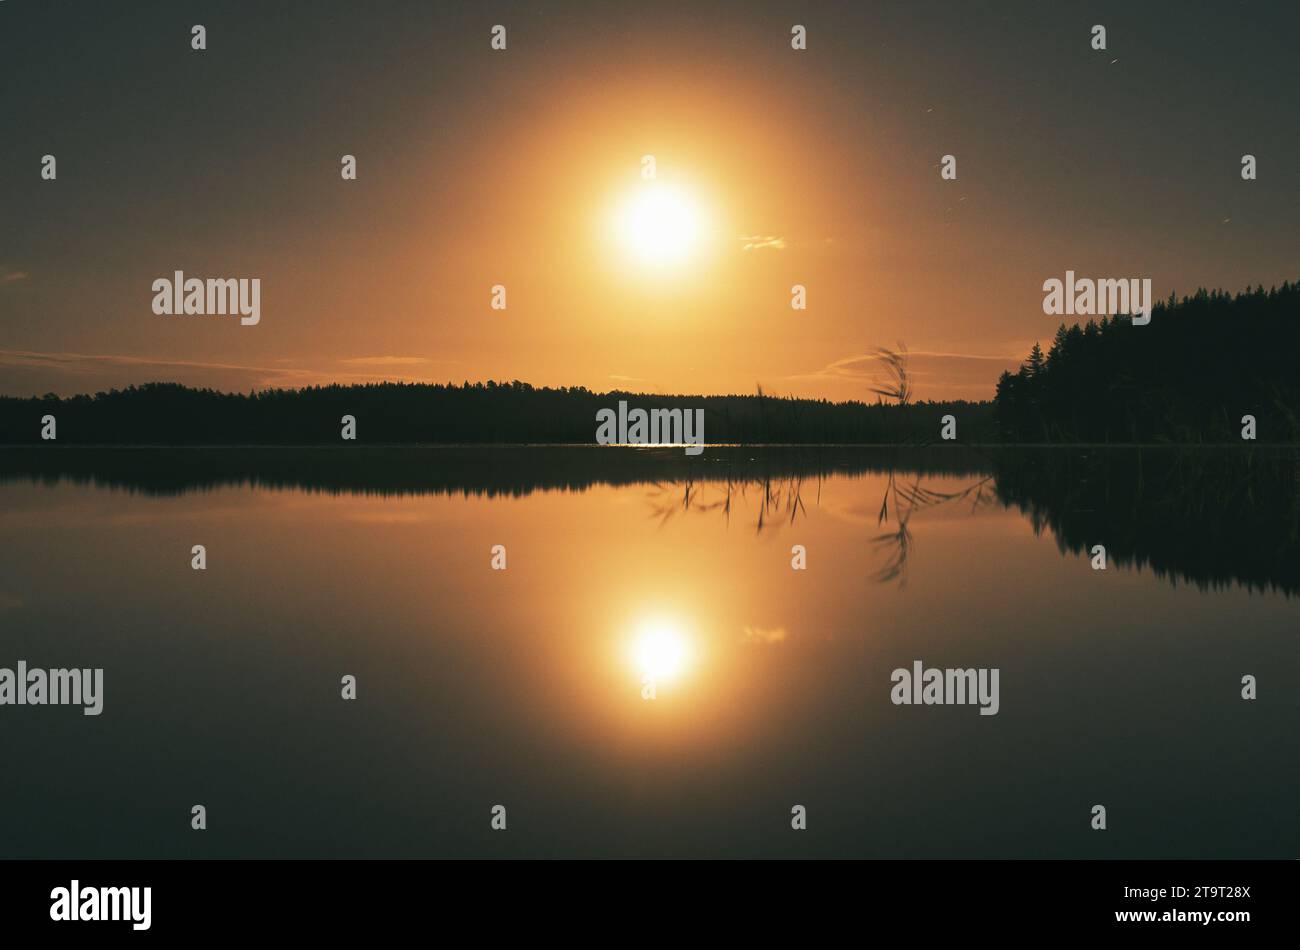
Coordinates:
867 365
8 276
756 242
386 361
765 635
936 375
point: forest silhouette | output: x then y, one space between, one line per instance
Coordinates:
491 412
1189 376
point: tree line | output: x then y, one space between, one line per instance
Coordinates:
491 412
1190 375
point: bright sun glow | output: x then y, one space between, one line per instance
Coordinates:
659 225
660 651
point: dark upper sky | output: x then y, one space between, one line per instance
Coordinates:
479 167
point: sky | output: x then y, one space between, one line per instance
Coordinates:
479 167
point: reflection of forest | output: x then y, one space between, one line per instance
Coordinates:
1210 516
485 470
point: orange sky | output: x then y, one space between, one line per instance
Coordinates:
479 168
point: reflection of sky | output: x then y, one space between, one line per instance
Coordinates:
518 684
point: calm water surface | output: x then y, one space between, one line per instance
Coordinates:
523 687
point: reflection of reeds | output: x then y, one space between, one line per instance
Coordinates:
781 501
898 546
907 499
777 497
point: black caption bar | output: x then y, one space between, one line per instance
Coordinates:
136 899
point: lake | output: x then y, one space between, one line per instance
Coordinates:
626 568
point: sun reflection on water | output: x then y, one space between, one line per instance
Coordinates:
660 650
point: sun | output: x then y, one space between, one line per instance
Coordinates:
659 225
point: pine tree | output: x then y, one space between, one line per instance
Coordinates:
1034 365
